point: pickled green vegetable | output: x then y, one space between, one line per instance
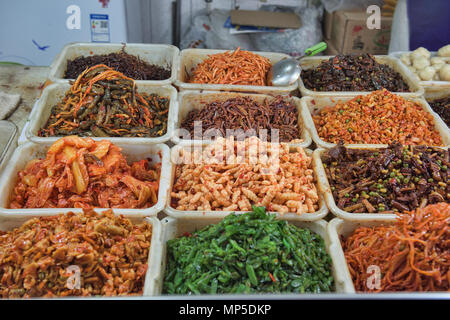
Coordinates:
248 253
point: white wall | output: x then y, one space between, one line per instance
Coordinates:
22 21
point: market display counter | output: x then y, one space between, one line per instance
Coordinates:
120 162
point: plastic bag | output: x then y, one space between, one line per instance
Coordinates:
334 5
292 41
195 36
207 31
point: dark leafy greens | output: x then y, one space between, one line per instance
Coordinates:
248 253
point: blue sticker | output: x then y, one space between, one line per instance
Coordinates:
99 27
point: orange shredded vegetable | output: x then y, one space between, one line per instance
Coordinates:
83 173
380 117
413 254
239 67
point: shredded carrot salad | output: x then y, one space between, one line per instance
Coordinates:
83 173
239 67
413 254
380 117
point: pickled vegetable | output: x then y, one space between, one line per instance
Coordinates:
248 253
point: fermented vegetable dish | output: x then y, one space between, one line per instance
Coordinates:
246 114
380 117
103 102
248 253
238 67
395 179
83 173
412 254
40 258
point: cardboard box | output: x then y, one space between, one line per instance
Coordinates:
268 19
327 24
331 49
349 33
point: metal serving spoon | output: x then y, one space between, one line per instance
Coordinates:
287 71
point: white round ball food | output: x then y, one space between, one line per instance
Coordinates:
438 67
420 52
413 70
444 51
444 73
437 60
427 73
405 59
420 63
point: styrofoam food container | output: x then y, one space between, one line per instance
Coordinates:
198 214
325 190
8 141
429 86
8 223
54 93
312 62
313 104
196 100
164 55
338 228
190 58
437 94
173 228
431 95
159 153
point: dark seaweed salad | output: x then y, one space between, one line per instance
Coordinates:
248 253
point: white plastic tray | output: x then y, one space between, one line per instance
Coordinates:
201 215
173 228
191 100
8 223
8 141
190 58
55 92
337 228
29 151
429 86
313 104
312 62
437 94
163 55
325 190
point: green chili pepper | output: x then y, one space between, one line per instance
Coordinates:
248 253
